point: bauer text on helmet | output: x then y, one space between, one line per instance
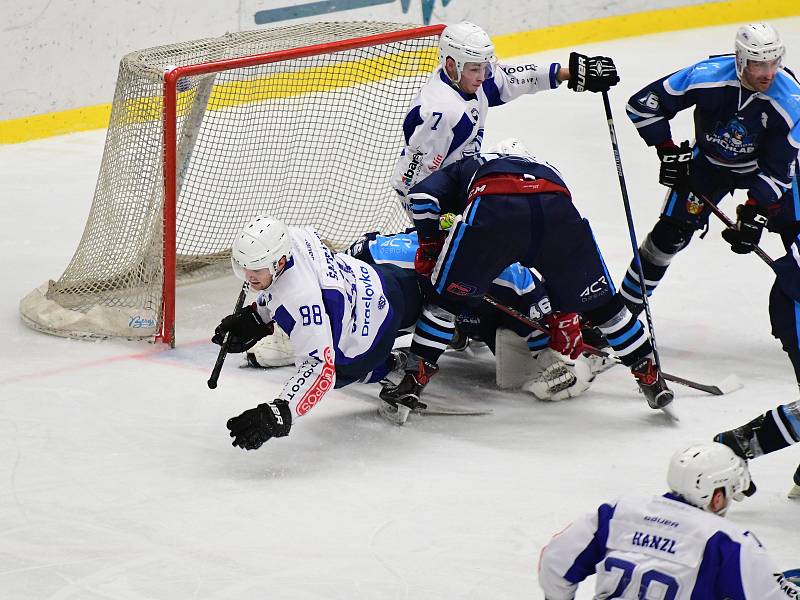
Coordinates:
464 43
697 471
260 250
759 55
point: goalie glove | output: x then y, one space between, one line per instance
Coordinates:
427 255
591 73
244 329
750 222
565 333
675 161
257 425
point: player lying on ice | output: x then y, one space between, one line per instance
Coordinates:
549 369
512 207
525 357
342 316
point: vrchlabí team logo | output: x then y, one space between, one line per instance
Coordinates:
732 139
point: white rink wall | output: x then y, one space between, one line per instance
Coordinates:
63 54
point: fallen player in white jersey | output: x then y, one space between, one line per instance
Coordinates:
341 315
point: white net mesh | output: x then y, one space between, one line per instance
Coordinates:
310 140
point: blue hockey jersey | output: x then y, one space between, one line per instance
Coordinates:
752 133
447 190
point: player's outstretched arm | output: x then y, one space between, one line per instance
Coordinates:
257 425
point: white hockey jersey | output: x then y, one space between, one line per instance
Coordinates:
659 547
331 306
445 124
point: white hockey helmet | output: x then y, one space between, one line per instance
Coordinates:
464 42
510 146
697 470
260 245
757 42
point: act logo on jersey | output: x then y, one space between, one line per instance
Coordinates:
596 289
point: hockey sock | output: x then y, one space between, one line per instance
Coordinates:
656 252
434 331
624 332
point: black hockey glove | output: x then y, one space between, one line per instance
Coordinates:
257 425
591 73
245 328
675 161
750 222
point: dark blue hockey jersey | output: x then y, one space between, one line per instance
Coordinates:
447 190
752 133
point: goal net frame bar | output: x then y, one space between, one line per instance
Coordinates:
171 173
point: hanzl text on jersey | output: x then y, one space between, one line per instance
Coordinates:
657 542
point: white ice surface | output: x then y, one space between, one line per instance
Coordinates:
118 481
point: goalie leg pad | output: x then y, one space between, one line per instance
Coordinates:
513 363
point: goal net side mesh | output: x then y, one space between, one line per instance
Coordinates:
311 140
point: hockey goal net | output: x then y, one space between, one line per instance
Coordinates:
303 122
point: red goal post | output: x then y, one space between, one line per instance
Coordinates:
307 130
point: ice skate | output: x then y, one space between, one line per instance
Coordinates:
652 384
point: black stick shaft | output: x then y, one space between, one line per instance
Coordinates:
629 216
223 351
728 223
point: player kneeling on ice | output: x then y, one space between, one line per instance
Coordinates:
341 314
514 207
525 357
674 546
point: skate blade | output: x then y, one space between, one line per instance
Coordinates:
669 410
794 493
397 415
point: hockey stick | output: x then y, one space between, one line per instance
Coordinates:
629 216
223 351
729 384
728 223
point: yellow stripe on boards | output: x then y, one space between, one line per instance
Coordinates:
656 21
515 44
36 127
301 82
